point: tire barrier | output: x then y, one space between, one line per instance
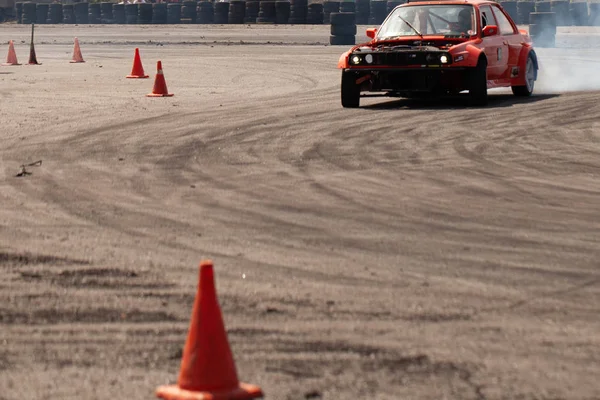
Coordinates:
594 14
174 13
363 11
298 12
145 12
315 14
19 12
579 13
106 12
347 6
68 14
29 13
41 13
81 11
543 6
221 12
55 13
131 14
283 10
391 4
524 8
511 8
378 12
118 13
328 8
542 28
267 12
95 13
561 9
206 12
189 12
237 12
343 28
159 13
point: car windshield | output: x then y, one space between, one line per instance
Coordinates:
439 20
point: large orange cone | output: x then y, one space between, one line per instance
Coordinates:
77 57
160 86
138 70
11 58
207 371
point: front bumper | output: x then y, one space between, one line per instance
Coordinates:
420 79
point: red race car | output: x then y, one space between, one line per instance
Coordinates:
438 48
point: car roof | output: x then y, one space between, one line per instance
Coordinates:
453 2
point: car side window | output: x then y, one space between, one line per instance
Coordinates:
487 17
504 24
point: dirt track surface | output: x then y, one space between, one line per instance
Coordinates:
405 250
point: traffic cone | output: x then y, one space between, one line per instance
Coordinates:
11 58
77 57
138 70
208 370
160 86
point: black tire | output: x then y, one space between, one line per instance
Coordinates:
478 84
350 90
343 30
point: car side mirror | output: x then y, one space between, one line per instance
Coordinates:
490 30
371 32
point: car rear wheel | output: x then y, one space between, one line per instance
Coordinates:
350 90
478 85
527 90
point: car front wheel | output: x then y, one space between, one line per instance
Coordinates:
350 90
527 90
478 85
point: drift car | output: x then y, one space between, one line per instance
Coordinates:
438 48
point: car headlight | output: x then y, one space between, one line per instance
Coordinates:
369 58
355 60
444 59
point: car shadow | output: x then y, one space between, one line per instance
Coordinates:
460 101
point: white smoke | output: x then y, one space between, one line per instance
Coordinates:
573 64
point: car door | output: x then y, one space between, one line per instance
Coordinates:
496 47
512 39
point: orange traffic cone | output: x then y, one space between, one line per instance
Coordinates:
11 59
160 86
207 371
138 70
77 57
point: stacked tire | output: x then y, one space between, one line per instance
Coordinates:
189 12
41 13
298 11
543 6
542 28
68 14
174 13
391 4
511 7
283 11
106 12
221 12
578 11
363 11
94 13
378 12
159 13
131 14
328 8
144 15
252 10
343 28
561 9
19 11
267 12
347 6
55 13
81 11
205 12
315 14
594 14
524 8
237 12
29 13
